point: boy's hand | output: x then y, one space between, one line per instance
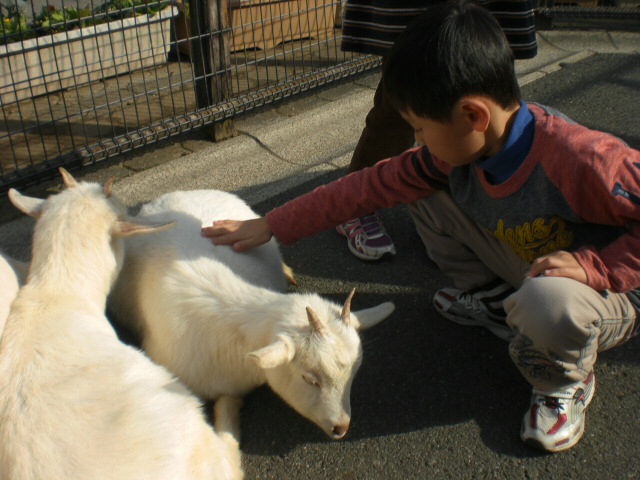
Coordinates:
558 264
241 235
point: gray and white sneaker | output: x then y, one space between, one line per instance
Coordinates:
480 307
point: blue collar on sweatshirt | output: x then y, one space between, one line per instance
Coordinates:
506 161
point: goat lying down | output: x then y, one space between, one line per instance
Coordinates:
77 403
12 274
219 321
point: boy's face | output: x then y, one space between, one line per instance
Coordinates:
454 142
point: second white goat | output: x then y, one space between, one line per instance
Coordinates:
218 320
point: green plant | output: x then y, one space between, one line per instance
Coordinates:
50 20
12 18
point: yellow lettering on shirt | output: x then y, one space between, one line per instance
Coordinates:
531 240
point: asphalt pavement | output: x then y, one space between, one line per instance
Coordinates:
432 400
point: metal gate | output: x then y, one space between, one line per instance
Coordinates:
79 85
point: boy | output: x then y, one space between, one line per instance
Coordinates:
510 199
372 26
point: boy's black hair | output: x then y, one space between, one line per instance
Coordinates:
452 50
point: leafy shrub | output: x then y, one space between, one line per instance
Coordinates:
50 20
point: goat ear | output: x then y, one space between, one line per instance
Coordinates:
67 178
369 317
28 205
123 228
279 352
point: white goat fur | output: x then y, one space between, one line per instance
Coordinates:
12 274
218 320
77 403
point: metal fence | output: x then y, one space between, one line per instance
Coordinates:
80 85
612 14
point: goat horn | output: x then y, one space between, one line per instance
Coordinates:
346 310
315 322
68 180
106 188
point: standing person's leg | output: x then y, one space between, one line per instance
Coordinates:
560 327
385 135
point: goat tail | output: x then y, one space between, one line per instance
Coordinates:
226 419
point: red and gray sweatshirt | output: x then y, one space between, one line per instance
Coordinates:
576 189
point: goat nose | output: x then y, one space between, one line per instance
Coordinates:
339 431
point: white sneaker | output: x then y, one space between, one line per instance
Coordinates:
367 238
555 420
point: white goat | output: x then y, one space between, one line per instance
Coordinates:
217 320
75 402
12 274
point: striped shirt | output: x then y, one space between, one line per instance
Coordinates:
372 26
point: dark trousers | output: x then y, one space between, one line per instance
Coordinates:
385 134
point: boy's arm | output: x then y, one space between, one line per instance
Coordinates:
615 267
402 179
603 188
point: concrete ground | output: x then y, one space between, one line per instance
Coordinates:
432 399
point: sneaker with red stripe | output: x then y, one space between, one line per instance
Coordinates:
555 421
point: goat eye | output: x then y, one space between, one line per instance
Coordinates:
311 379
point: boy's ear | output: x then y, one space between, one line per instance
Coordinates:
476 112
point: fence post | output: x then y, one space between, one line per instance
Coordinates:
200 58
210 25
221 55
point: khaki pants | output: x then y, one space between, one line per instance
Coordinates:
560 324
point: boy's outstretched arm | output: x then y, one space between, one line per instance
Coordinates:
241 235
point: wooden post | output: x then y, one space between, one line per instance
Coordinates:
200 53
210 25
219 21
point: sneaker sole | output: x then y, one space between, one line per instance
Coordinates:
385 256
534 443
357 253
